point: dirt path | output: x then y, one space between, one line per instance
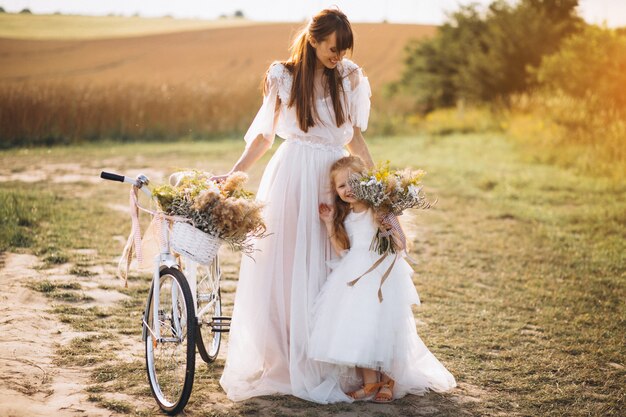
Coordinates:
33 383
30 382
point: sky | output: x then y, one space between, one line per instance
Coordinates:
610 12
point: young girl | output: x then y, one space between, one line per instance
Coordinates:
374 341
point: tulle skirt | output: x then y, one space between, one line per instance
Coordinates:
353 328
267 352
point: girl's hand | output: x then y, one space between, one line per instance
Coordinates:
398 243
327 213
383 225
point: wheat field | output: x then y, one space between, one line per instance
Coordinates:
195 83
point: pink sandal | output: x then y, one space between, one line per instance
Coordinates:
383 397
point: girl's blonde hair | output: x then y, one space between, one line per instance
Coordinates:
303 61
355 165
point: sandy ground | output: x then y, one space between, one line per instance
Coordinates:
30 383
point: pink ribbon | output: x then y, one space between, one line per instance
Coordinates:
133 243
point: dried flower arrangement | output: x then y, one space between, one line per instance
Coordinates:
389 192
224 210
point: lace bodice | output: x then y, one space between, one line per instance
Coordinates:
325 133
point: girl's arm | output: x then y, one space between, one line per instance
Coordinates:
357 146
333 240
398 241
327 213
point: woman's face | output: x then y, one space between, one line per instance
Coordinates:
326 51
342 188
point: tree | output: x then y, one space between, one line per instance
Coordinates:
486 57
432 71
238 14
25 11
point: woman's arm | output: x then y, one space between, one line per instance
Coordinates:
253 152
260 144
250 155
357 146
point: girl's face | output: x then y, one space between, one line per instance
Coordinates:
326 51
342 188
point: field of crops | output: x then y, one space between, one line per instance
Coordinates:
194 83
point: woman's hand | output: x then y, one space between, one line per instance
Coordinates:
327 213
219 178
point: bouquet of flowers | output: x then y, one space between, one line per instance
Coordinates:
389 192
224 210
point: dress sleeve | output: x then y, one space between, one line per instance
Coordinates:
359 99
263 123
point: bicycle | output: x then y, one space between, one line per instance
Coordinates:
185 312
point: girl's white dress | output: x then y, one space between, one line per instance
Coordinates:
267 352
352 327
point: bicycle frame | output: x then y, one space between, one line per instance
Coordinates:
177 322
166 259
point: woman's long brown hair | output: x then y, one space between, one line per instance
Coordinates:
354 164
303 61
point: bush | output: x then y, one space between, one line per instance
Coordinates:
559 129
590 66
578 118
460 120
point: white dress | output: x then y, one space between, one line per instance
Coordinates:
267 352
352 327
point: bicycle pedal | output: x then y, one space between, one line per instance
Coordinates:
220 324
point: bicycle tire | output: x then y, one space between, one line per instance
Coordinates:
209 334
172 399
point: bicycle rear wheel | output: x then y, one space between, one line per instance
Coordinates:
171 359
211 324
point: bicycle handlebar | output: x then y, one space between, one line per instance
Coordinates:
111 176
140 182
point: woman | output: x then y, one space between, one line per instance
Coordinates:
318 102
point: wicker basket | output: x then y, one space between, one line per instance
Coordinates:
194 244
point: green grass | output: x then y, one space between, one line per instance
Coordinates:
21 211
521 274
49 289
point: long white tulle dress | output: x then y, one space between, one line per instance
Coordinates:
267 352
352 327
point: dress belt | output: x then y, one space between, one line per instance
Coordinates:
322 146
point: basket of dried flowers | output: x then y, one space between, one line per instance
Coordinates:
217 213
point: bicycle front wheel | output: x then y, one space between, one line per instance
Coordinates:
171 358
